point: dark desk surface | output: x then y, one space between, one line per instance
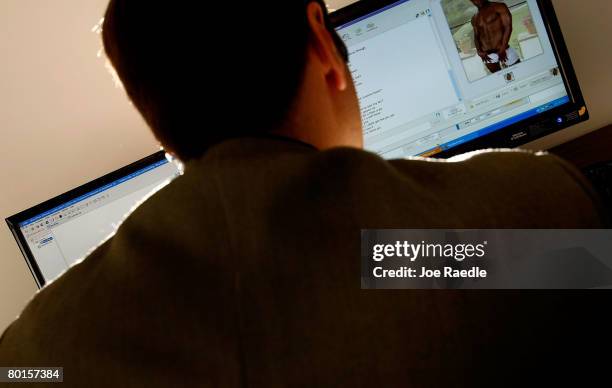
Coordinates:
590 149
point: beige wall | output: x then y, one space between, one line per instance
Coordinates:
63 123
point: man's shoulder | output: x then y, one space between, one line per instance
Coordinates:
500 7
234 191
353 169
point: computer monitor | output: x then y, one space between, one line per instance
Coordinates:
59 232
431 82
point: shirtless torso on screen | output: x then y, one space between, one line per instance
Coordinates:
492 30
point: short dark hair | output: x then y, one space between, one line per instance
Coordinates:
202 74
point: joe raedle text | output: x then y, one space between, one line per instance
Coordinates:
429 259
426 273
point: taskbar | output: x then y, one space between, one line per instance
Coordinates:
495 127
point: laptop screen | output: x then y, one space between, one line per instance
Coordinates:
434 74
58 233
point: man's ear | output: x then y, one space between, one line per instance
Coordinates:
325 48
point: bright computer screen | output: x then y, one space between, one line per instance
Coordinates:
65 232
429 75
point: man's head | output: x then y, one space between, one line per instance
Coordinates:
200 76
480 3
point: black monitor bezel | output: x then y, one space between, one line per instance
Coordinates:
524 131
14 220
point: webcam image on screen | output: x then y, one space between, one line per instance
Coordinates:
492 36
